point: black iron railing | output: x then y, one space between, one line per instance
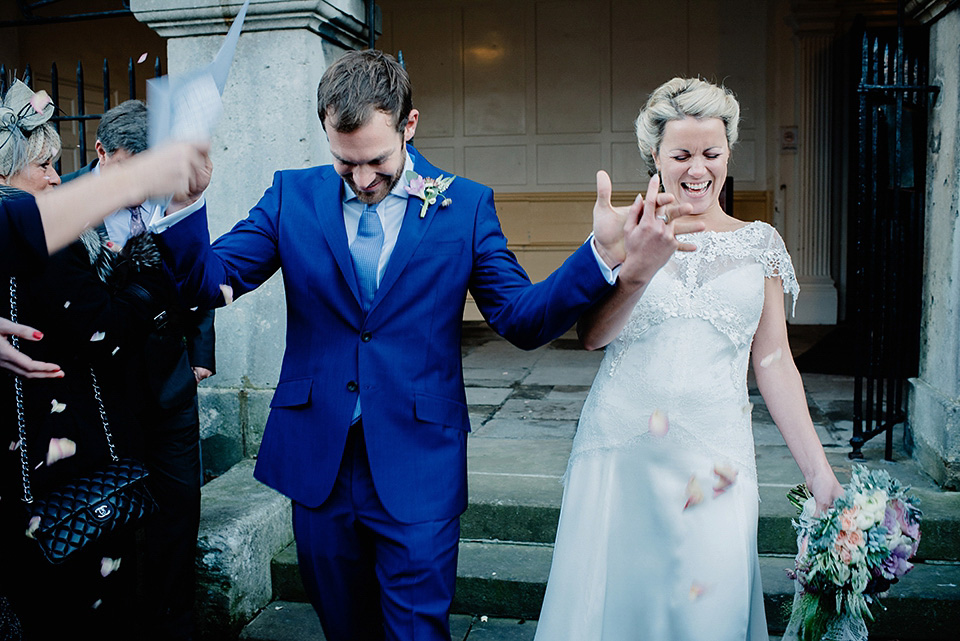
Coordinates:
886 261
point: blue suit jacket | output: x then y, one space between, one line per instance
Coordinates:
403 356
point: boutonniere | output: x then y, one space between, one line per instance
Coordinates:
428 189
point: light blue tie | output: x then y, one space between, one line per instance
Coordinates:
366 253
366 261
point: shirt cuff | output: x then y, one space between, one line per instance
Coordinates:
160 223
609 274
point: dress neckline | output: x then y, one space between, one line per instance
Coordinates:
728 231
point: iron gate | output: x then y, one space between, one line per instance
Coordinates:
887 232
80 117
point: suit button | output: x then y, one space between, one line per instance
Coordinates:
352 386
366 336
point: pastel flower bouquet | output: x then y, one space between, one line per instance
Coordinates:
850 554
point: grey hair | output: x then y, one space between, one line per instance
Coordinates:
38 146
678 99
124 127
360 82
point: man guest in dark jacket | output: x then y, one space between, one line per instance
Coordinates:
175 357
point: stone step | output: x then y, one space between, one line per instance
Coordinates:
507 580
515 495
290 621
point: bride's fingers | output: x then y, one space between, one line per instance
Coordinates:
687 226
686 247
604 189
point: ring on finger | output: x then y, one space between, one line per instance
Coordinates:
662 217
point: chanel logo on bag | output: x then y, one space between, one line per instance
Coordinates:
102 511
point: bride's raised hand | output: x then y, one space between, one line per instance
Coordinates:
608 222
650 234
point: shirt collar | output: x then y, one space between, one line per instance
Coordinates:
398 190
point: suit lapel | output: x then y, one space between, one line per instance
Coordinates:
328 204
412 230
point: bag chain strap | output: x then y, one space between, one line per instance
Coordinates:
21 421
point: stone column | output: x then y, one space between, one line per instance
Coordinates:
810 229
269 123
934 400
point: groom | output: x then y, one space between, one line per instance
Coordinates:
368 429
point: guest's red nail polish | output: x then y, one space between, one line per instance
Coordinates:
37 335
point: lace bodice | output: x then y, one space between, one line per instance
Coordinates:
685 349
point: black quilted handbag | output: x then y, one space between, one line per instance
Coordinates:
88 508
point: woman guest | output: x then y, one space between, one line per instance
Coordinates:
91 318
657 534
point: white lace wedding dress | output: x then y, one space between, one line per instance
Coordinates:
630 562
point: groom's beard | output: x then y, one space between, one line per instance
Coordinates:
386 185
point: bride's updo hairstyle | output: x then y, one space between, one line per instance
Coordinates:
675 100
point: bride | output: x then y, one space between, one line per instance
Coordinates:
657 538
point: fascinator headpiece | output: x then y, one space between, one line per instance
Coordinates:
21 112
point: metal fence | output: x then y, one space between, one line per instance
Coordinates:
58 92
887 231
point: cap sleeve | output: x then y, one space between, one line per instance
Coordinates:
776 263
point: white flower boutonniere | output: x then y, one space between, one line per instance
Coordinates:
428 189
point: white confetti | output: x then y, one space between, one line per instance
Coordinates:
56 407
142 57
14 445
97 604
60 448
115 350
66 304
97 336
770 359
108 565
33 526
483 619
227 294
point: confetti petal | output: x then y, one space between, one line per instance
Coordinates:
40 100
697 590
446 202
14 446
227 294
108 566
726 475
56 406
97 336
748 408
143 56
60 448
770 359
483 619
66 304
97 604
33 526
694 493
659 424
115 350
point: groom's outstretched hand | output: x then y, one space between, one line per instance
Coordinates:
650 234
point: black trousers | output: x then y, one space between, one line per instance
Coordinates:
168 553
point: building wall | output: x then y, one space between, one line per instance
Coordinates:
532 97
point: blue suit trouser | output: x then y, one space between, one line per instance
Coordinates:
368 576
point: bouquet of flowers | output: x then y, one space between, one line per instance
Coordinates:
850 554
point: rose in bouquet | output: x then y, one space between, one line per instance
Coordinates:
850 554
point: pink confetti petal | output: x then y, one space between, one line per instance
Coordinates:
60 448
227 294
770 359
659 424
143 56
33 527
108 566
697 590
694 493
14 446
726 476
39 101
56 406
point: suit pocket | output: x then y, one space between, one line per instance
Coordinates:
442 411
292 393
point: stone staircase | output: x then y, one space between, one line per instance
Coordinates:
524 408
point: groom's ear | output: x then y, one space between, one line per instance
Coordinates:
410 127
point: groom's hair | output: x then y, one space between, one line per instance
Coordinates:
360 82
